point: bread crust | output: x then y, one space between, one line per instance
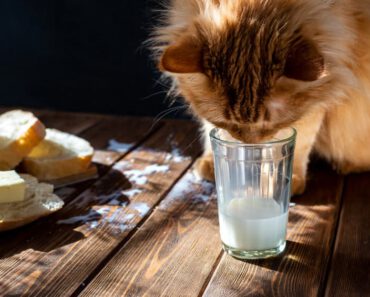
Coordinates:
74 157
46 170
13 154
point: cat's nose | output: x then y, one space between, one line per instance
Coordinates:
245 136
258 136
255 137
251 137
253 140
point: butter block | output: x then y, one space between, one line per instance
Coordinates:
12 187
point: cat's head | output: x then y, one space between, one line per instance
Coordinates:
251 71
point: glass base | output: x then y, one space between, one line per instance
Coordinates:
254 255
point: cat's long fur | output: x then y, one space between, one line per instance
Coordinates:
331 113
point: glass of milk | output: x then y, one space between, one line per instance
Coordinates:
253 189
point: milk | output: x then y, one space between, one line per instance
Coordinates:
252 224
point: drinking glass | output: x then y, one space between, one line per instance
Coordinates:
253 184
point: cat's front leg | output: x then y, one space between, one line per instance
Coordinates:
298 184
204 166
307 129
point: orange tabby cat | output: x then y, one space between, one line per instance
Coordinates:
253 67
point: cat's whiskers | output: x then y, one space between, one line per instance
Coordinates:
196 139
154 94
164 113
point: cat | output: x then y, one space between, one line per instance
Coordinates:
253 67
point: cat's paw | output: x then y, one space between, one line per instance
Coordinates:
204 167
298 185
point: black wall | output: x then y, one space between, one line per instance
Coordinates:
79 55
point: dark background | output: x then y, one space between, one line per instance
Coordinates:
79 55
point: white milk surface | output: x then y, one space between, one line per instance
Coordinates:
252 224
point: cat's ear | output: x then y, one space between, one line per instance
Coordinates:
304 62
183 57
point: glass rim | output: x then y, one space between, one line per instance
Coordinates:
291 138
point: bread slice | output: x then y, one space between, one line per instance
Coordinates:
59 155
39 201
20 132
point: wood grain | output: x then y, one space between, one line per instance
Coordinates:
301 270
115 136
173 252
66 255
350 270
69 122
74 123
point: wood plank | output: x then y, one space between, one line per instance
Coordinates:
3 109
73 123
68 122
58 259
350 270
37 112
301 270
173 252
115 136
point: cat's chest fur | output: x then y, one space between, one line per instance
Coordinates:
345 132
344 135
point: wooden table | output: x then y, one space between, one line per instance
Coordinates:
146 226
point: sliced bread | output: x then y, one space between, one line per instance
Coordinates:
59 155
39 201
20 132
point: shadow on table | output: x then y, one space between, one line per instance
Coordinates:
293 255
